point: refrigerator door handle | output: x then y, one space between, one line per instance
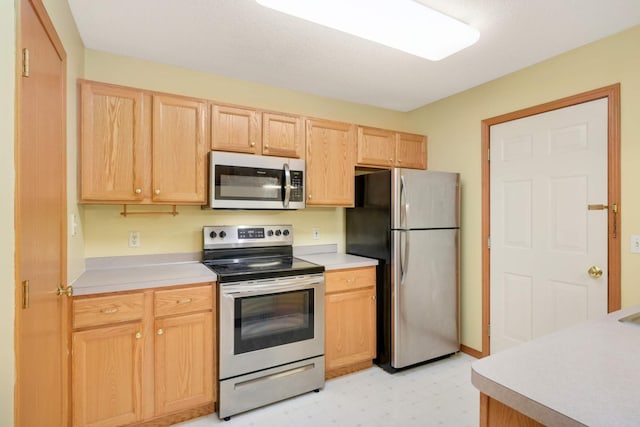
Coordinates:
404 206
404 254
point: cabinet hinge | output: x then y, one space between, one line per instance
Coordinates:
25 62
489 329
489 242
489 154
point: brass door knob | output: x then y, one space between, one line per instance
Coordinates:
595 271
138 335
157 191
138 190
160 331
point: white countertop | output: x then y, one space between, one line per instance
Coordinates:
588 374
127 278
128 273
336 261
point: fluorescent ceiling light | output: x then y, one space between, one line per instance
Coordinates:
401 24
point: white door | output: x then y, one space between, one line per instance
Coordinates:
545 171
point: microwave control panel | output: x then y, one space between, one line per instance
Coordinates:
297 186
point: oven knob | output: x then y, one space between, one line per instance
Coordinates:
213 234
223 234
285 233
278 232
270 233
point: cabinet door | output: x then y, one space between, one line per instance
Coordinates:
330 162
179 146
107 383
112 145
411 151
184 363
376 147
235 129
282 135
350 327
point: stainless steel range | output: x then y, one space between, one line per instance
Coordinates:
271 316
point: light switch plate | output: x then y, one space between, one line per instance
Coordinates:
635 244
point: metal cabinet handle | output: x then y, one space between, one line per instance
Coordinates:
138 190
157 191
253 144
184 301
160 331
138 335
109 310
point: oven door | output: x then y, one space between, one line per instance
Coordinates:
271 322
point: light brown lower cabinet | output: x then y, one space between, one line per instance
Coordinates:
494 413
153 362
350 320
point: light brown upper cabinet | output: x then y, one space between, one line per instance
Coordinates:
385 148
113 147
235 129
411 151
330 162
282 135
124 159
245 130
179 147
376 147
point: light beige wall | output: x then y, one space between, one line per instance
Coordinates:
453 127
62 19
7 182
106 231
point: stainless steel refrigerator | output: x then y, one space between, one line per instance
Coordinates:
409 221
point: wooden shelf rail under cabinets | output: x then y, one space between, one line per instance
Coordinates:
172 212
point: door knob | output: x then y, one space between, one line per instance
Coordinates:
595 271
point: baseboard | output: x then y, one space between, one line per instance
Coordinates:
471 351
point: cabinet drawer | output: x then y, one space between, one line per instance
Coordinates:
184 300
343 280
105 310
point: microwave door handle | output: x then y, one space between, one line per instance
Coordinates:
287 185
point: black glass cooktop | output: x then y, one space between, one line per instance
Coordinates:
256 268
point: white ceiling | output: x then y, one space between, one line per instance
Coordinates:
241 39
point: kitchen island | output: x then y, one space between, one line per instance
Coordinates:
584 375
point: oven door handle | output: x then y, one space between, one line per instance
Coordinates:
269 288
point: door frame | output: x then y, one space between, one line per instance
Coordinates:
612 93
41 12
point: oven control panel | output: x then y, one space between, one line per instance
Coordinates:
221 236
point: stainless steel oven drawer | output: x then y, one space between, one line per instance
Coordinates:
261 388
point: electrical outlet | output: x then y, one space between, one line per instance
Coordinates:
134 239
316 233
635 244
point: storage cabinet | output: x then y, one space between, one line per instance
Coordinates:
235 129
113 148
350 320
184 360
141 147
282 135
385 148
143 356
411 151
330 163
244 130
179 146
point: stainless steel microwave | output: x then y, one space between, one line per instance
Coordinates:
247 181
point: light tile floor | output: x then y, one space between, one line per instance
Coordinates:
435 394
